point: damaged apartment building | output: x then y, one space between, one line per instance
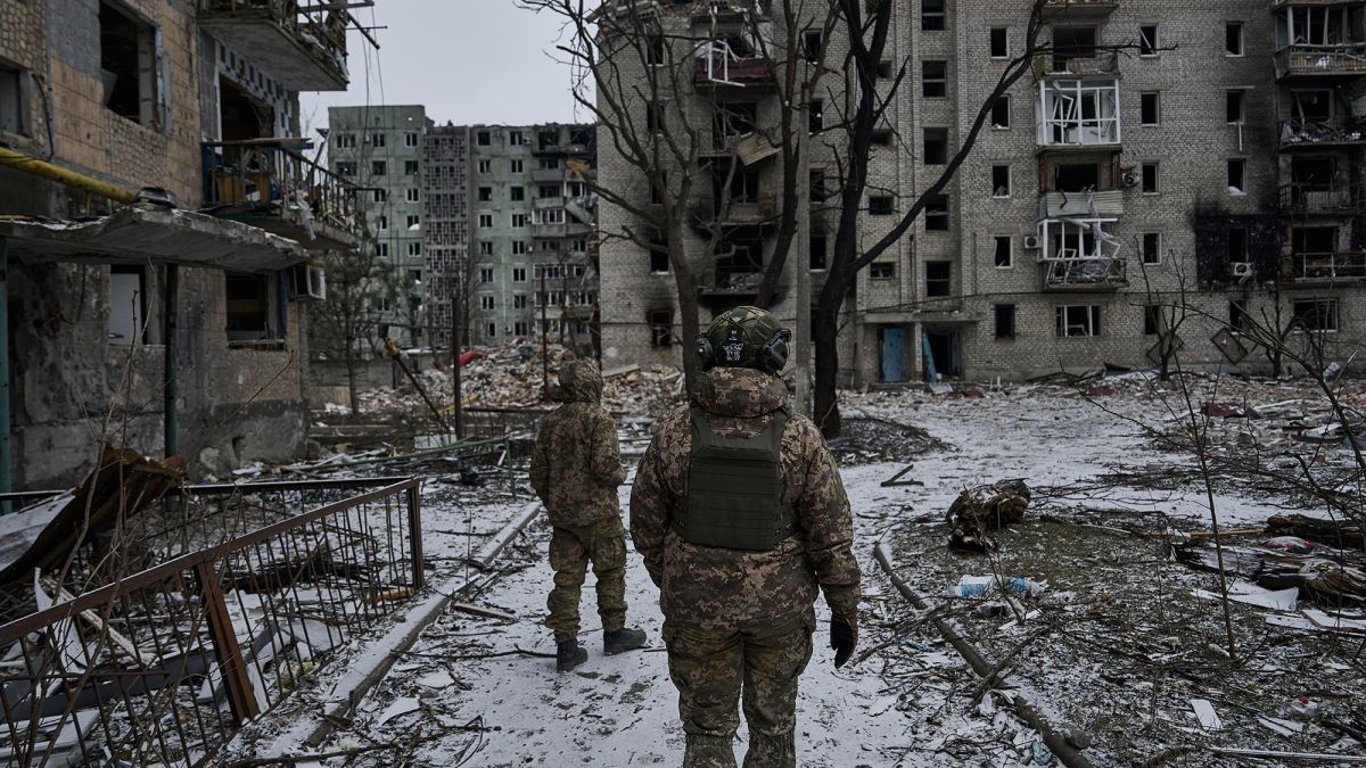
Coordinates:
1186 165
494 220
162 229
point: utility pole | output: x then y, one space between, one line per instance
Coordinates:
457 290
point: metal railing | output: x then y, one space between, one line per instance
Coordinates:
1098 274
323 34
1311 198
1316 266
268 174
718 64
162 666
1334 59
1339 130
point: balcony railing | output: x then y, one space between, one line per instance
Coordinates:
1106 203
1337 131
1326 267
1078 113
305 51
1085 274
548 175
1310 60
1079 9
266 183
1278 4
1310 199
718 65
559 230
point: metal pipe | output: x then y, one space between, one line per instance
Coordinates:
171 344
6 450
29 164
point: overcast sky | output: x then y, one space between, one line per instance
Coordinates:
468 61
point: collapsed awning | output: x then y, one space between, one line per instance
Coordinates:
142 233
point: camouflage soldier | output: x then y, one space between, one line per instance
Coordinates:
575 470
740 515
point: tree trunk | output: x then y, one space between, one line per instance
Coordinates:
685 282
826 397
348 342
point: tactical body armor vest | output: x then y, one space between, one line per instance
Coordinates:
735 488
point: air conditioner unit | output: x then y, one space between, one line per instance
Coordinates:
308 281
1128 179
1240 268
1031 242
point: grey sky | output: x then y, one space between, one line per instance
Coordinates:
468 61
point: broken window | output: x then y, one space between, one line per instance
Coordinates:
936 142
382 222
659 257
1312 172
934 79
1000 181
733 120
815 116
409 167
1005 320
654 49
1000 45
817 247
378 168
1072 43
1002 251
1000 112
1079 112
250 307
932 15
1309 107
1314 25
1316 314
654 117
660 322
1237 245
346 167
937 213
129 64
1076 177
131 311
413 221
882 137
938 278
1148 112
1233 106
1233 38
1078 320
879 205
813 42
551 190
738 254
516 138
485 166
1238 319
1149 178
1152 319
881 270
1237 171
483 138
415 248
1147 40
1150 246
818 191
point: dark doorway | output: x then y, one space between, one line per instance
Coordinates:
242 116
942 354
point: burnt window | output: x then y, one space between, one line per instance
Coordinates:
1233 106
1237 244
659 258
249 307
813 42
1072 43
1151 247
1000 181
882 137
881 270
1076 177
1316 314
1149 176
660 322
1001 252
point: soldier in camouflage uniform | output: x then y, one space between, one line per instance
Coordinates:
739 617
575 470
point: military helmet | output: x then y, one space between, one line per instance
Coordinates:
744 337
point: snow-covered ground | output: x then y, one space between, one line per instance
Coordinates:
482 691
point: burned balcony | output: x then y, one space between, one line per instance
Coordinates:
1325 266
1078 254
1344 130
305 50
1326 200
1319 39
270 185
718 64
730 10
1078 113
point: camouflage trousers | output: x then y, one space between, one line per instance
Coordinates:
571 551
712 667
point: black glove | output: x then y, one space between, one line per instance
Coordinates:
843 636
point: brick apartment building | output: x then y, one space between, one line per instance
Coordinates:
160 226
1162 154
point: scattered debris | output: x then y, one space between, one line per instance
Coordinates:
985 508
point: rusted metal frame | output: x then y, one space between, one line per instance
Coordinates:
156 574
241 698
415 536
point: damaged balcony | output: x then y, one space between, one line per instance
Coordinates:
1079 10
266 183
1319 39
1078 113
1326 267
1337 131
1078 254
304 50
719 64
1311 199
1093 204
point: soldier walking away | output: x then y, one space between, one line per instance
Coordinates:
575 470
740 515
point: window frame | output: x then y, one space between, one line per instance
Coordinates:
1145 99
995 187
1230 27
997 241
1003 312
939 82
1087 319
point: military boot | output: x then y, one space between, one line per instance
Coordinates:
569 654
620 640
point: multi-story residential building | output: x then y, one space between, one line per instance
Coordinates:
379 149
1162 162
160 226
503 211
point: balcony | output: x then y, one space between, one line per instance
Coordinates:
1056 205
1325 267
266 183
1084 274
1308 199
303 51
1077 10
1276 5
718 65
1078 113
1342 59
558 230
1333 132
748 148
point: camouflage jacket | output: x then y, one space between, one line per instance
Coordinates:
576 465
709 585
